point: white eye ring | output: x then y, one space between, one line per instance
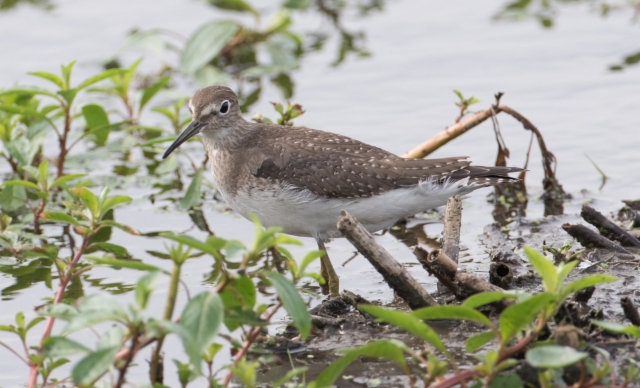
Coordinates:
224 107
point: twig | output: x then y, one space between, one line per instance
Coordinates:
630 310
9 348
64 280
448 134
452 225
588 238
247 343
607 228
461 284
393 272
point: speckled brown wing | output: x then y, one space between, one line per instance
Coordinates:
336 166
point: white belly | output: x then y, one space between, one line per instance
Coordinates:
302 213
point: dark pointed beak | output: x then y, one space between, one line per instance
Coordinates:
189 132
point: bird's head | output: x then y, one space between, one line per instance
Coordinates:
215 112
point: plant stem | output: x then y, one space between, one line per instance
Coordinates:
62 140
128 359
247 343
36 217
64 281
168 312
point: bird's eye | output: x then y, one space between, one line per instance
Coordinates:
224 107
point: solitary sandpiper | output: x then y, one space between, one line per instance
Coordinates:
299 178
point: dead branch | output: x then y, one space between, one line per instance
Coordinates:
461 284
500 249
590 239
630 310
584 295
393 272
500 274
607 228
447 135
452 225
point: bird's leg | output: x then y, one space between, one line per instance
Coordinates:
328 273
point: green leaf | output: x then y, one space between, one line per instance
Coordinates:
388 349
201 318
69 95
112 202
95 309
99 77
618 328
117 250
113 337
97 122
152 90
22 111
193 243
93 366
89 199
308 259
477 300
297 4
589 281
30 91
28 184
292 302
66 178
554 356
507 381
144 288
49 77
59 311
193 195
62 347
544 268
60 217
43 175
516 317
206 43
131 264
113 224
479 340
290 375
452 312
408 322
564 269
66 73
234 5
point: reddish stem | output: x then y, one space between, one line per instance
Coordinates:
64 281
247 343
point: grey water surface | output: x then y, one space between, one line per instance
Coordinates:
397 98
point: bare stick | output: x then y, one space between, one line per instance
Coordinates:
447 135
500 249
462 284
451 232
630 310
393 272
607 228
588 238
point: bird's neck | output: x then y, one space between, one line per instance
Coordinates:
228 139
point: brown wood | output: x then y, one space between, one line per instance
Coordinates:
452 225
607 228
500 274
590 239
630 310
462 284
393 272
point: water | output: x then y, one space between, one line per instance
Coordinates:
399 97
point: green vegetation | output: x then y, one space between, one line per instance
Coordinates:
58 216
